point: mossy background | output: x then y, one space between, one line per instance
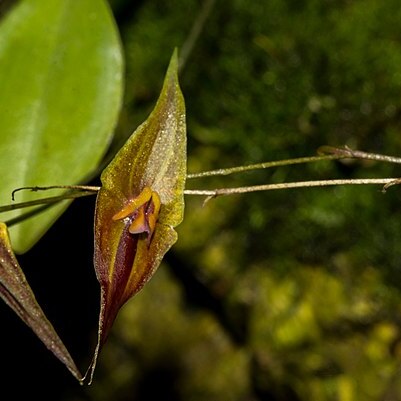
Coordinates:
287 295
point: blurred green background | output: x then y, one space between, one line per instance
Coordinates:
286 295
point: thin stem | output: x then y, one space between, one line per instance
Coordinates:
212 193
42 201
325 153
24 216
258 166
358 154
85 188
195 32
288 185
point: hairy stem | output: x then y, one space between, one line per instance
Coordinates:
325 153
288 185
259 166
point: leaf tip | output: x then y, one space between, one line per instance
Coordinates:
172 70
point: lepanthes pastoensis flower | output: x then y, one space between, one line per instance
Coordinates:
140 202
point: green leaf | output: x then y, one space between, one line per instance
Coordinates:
139 203
17 294
60 93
